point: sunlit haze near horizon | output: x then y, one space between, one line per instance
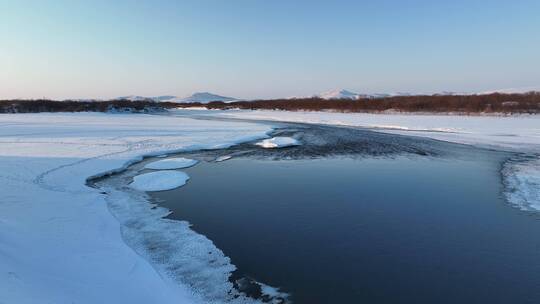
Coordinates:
265 49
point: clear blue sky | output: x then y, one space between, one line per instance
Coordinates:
256 48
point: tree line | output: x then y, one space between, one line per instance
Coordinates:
466 104
47 105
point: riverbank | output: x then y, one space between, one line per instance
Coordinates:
60 243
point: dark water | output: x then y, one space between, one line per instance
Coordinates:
368 230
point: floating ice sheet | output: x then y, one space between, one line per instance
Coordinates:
171 163
223 158
159 181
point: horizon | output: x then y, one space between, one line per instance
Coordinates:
259 50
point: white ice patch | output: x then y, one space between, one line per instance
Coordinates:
171 163
273 294
223 158
278 142
522 183
159 181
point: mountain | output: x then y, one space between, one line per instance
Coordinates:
205 97
345 94
518 90
338 94
133 98
202 97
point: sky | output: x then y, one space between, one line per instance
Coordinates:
265 49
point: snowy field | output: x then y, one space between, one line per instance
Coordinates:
55 231
519 134
59 242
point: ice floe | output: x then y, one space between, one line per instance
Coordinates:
273 293
159 181
278 142
172 163
222 158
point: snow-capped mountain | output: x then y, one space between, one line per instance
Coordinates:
202 97
142 98
338 94
205 97
518 90
346 94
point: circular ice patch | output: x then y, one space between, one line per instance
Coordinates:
159 181
171 163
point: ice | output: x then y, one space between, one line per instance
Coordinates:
522 182
273 293
61 242
188 258
172 163
278 142
223 158
159 181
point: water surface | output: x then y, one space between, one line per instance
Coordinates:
338 229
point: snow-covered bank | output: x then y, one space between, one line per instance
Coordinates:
510 133
59 242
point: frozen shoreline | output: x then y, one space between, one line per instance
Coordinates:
185 256
58 234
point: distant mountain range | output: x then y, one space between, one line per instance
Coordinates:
346 94
206 97
202 97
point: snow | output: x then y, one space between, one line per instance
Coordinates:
273 293
518 90
202 97
205 97
222 158
171 163
61 242
278 142
346 94
339 94
64 242
522 181
159 181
